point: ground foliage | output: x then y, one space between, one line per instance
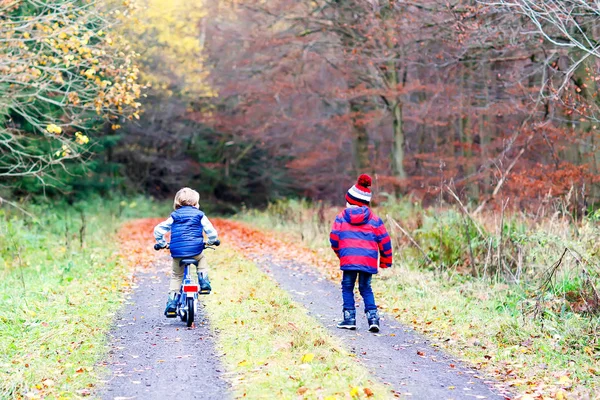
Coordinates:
62 279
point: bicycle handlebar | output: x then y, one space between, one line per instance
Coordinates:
217 243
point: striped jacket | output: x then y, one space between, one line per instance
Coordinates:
358 237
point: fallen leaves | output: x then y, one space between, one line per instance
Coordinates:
281 248
136 242
48 382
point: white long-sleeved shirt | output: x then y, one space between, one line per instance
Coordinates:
161 229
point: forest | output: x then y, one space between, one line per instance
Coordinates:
478 121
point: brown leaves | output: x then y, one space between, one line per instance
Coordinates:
255 243
136 242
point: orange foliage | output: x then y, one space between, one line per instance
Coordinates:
255 244
136 242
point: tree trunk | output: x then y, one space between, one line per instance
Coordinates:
398 147
360 141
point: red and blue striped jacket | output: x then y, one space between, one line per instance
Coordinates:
358 237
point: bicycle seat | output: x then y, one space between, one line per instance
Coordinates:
188 261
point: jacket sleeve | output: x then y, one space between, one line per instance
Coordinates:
161 229
385 246
334 236
209 229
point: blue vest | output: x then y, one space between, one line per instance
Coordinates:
186 232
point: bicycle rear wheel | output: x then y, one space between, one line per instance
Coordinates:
190 311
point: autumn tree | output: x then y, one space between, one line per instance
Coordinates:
62 71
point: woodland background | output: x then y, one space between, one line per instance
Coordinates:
252 101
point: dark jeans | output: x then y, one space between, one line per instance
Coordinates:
364 287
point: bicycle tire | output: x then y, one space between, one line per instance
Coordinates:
190 311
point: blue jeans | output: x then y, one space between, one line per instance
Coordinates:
364 287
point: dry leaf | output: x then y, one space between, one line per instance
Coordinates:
302 390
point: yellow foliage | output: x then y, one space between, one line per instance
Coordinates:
169 38
55 129
59 58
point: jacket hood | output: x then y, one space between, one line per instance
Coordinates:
357 215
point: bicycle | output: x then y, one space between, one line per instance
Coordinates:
187 298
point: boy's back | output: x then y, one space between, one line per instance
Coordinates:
358 237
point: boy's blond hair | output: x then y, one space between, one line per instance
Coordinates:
186 197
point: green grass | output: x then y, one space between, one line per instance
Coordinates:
59 288
273 348
528 337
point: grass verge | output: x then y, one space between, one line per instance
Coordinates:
273 348
60 283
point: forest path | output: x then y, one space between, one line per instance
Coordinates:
153 357
397 355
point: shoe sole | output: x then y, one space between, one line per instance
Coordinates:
374 328
351 328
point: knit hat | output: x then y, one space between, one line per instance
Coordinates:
360 194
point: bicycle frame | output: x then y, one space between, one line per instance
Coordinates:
188 296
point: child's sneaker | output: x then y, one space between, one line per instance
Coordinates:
373 319
171 309
204 283
349 321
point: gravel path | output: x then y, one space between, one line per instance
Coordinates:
397 355
157 358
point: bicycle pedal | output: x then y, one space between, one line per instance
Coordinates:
171 314
204 292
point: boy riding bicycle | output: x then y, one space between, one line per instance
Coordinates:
187 224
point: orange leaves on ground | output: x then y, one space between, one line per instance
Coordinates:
256 244
137 242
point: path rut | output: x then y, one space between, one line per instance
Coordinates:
152 357
398 356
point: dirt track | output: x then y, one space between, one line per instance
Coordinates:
157 358
397 355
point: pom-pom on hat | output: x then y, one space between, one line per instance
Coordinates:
360 194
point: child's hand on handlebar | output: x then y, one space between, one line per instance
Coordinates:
159 247
215 243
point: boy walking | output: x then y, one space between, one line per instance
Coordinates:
361 242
